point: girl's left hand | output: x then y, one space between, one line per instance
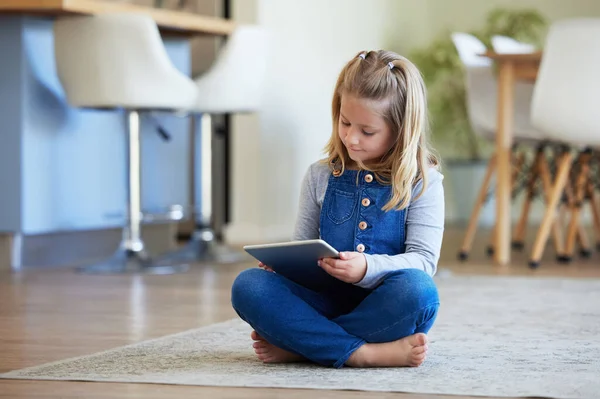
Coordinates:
351 267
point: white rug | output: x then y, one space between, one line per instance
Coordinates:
495 336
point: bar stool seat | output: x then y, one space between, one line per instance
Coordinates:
118 61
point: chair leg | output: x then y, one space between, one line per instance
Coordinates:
577 195
557 225
558 228
519 164
569 200
585 247
472 226
519 161
490 248
564 166
593 201
203 245
584 242
131 256
520 229
518 242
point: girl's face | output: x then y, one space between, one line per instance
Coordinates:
363 130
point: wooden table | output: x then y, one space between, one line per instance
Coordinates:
511 67
168 21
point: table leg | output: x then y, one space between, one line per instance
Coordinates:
506 81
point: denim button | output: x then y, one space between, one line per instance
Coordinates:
362 225
369 178
366 202
360 248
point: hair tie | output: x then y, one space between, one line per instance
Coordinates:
362 55
390 65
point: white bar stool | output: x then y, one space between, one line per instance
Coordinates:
234 84
114 61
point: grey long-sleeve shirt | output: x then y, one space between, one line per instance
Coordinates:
424 225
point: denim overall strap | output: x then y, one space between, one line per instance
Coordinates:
352 218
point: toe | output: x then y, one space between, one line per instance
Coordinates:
254 335
260 351
419 339
417 361
261 356
418 350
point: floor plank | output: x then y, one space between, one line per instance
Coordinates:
52 314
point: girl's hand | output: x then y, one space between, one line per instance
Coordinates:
351 267
265 267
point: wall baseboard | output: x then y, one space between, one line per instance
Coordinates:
75 248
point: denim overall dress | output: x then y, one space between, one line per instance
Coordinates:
352 218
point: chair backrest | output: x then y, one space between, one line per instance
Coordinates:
235 82
480 84
117 60
468 47
508 45
523 90
565 99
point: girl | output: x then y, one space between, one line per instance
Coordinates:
378 199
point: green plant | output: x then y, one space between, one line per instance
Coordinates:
443 75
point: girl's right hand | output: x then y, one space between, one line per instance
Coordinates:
265 267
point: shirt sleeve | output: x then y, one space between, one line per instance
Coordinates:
424 232
309 211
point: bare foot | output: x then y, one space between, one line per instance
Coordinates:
410 351
269 353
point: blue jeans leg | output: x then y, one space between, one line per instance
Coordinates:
405 303
292 317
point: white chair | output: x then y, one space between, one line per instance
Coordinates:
482 87
234 84
565 108
480 84
508 45
481 96
526 134
114 61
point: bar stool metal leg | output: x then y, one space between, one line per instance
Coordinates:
131 256
203 245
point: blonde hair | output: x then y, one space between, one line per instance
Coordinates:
386 76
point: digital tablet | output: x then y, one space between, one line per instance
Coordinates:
297 261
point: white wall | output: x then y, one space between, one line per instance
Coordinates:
311 41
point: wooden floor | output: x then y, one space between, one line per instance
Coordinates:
48 315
